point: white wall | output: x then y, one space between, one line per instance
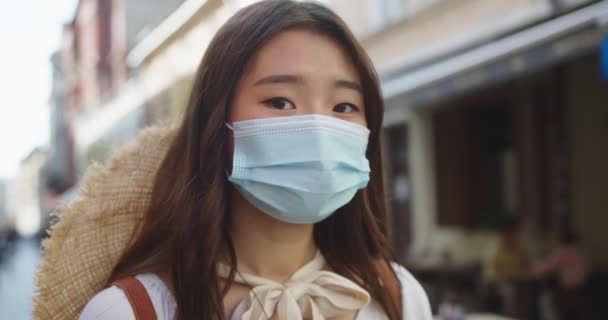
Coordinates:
23 195
430 31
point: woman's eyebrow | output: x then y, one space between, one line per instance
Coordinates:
295 79
280 78
347 84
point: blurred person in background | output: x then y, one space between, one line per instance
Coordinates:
507 266
451 307
567 269
269 202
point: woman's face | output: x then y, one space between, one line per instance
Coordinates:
299 72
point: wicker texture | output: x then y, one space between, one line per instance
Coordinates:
93 230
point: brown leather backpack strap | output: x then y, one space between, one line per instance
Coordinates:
391 283
138 297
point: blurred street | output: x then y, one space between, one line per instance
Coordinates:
17 268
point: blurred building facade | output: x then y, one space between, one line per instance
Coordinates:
495 114
489 107
89 73
23 194
60 168
4 225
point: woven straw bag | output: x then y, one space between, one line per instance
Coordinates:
93 230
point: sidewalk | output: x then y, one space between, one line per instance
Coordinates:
17 280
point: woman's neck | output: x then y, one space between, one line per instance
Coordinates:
265 246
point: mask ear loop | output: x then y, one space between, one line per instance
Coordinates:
231 128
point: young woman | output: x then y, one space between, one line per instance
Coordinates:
269 202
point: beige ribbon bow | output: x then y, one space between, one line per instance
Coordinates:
310 293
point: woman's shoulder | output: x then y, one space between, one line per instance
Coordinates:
414 299
112 302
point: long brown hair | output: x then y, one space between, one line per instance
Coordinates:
185 228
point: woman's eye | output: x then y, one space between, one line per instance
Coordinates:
280 103
345 108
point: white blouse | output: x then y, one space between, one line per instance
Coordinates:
112 303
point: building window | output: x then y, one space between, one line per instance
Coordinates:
476 166
497 157
386 12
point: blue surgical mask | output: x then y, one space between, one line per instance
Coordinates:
299 169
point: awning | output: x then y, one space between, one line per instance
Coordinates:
529 50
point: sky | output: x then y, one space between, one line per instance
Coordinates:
30 31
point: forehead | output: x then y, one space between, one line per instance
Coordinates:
303 52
